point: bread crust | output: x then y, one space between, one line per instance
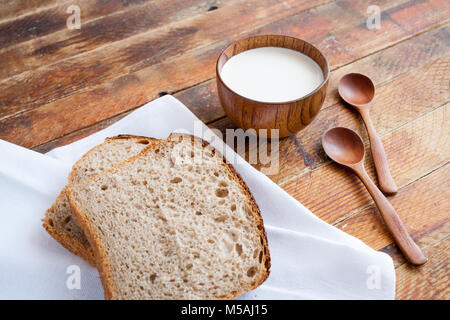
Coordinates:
70 243
70 179
99 252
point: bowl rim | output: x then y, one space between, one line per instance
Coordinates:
325 80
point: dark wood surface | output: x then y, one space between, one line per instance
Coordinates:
59 85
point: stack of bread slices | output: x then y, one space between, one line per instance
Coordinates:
162 219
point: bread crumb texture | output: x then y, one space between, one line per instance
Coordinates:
58 220
169 224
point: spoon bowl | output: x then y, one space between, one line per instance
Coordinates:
343 145
356 89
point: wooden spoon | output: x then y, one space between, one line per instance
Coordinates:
346 148
358 91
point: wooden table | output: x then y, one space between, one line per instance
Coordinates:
58 85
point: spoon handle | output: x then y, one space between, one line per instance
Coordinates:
410 249
387 184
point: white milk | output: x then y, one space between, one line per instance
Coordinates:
272 74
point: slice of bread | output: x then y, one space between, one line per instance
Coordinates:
174 222
58 219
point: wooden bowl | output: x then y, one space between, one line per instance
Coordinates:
288 117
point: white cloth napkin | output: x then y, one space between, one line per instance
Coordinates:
310 259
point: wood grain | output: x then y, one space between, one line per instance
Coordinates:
65 43
421 215
413 93
333 194
134 53
185 70
51 18
430 281
382 66
13 9
57 86
349 37
430 238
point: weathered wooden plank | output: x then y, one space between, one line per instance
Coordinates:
381 66
11 9
415 149
37 23
95 33
397 102
79 134
341 45
413 93
432 233
204 91
391 62
423 207
425 241
56 81
430 281
72 113
133 89
139 51
203 101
